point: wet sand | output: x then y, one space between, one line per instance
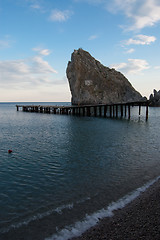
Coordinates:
138 220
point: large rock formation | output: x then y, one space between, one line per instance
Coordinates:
92 83
154 99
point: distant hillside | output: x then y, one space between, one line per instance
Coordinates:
154 99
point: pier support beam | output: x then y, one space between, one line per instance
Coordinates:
36 109
83 111
113 112
110 111
73 111
79 111
139 110
105 110
100 111
121 110
67 111
129 111
125 110
116 111
146 112
88 111
95 111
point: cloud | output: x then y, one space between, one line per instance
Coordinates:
35 6
14 66
44 52
91 1
4 44
41 66
131 50
29 71
142 13
60 16
133 66
140 40
92 37
157 67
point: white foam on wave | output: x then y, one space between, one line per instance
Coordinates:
60 209
39 216
91 220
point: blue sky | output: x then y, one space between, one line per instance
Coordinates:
37 38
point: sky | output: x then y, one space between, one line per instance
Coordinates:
37 38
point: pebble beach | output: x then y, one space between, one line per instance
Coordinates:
138 220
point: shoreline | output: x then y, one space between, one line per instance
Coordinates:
140 219
135 218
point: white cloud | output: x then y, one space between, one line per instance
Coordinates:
35 6
41 66
131 50
30 71
91 1
4 44
118 66
133 66
92 37
60 16
140 40
142 13
14 66
44 52
157 67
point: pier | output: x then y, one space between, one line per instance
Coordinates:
102 110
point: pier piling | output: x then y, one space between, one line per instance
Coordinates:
105 110
139 110
100 111
110 111
129 111
147 112
116 111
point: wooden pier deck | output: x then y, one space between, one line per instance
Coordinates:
101 110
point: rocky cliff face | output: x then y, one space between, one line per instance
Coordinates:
154 99
92 83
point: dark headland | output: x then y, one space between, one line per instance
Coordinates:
138 220
93 83
154 99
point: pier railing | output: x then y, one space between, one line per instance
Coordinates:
102 110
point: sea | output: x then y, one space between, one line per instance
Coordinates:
66 172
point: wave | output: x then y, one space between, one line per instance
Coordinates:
91 220
58 210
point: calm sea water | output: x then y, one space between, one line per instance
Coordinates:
65 172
